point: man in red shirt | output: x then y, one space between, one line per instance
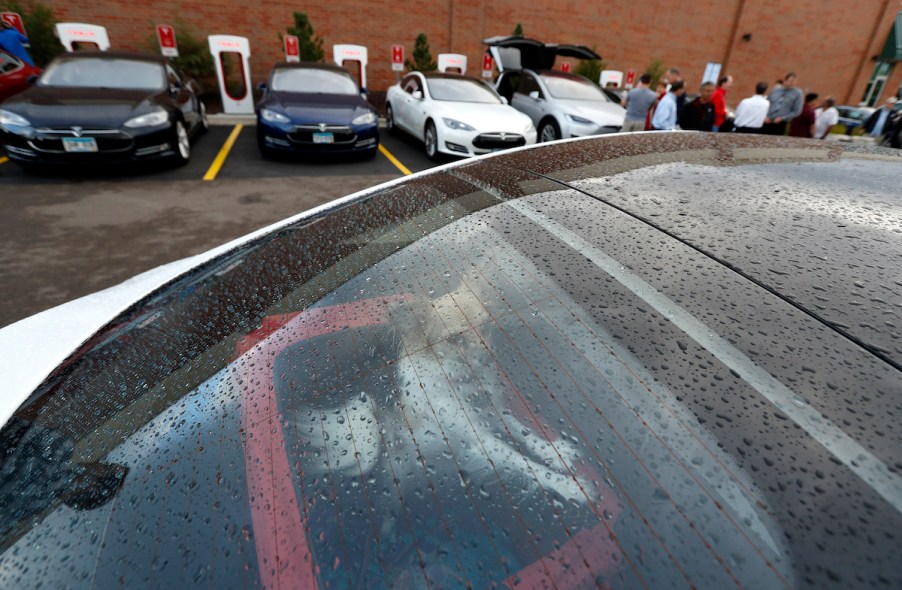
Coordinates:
720 102
803 125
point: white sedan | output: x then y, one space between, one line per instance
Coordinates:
455 115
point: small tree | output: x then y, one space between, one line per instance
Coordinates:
310 46
656 70
422 59
39 25
518 30
590 68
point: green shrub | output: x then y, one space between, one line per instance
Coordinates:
310 47
590 68
422 59
656 70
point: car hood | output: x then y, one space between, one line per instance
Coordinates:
52 107
486 118
334 109
606 114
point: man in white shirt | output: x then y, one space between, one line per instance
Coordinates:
752 111
665 117
825 118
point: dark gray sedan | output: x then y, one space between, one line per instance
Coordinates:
653 361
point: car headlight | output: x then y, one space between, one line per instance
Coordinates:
457 125
530 128
365 119
580 120
153 119
8 118
273 117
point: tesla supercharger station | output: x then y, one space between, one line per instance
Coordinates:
71 33
612 77
358 53
220 44
447 61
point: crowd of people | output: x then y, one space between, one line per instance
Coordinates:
785 110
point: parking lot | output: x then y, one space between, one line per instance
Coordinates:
68 233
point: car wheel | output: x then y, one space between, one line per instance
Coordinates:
182 144
390 119
430 138
549 131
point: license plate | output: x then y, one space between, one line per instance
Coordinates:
79 144
323 138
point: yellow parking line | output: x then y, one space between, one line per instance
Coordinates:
3 159
223 154
394 160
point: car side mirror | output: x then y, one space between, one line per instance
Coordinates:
535 94
504 100
418 94
175 89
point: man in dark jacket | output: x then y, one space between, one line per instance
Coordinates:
698 115
880 121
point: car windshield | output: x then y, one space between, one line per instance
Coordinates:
462 90
574 89
103 72
485 378
312 81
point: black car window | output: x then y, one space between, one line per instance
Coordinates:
462 90
101 72
8 63
412 84
312 81
507 84
484 378
528 83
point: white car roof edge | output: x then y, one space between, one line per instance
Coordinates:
28 356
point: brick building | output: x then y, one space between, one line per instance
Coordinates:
835 46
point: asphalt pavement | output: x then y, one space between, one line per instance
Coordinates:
69 233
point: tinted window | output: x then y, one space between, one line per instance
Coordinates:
439 386
8 63
104 73
312 81
411 84
576 89
529 84
462 90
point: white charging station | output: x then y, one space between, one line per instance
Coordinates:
612 77
220 44
452 60
358 53
71 33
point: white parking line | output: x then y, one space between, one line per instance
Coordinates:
854 456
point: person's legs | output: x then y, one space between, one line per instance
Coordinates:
631 126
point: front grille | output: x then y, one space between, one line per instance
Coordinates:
304 133
498 141
108 140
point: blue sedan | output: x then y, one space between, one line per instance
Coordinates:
314 108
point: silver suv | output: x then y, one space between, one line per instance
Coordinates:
561 105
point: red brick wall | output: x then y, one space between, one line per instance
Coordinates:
824 41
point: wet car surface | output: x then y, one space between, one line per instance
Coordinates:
666 360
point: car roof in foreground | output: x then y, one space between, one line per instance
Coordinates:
641 360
